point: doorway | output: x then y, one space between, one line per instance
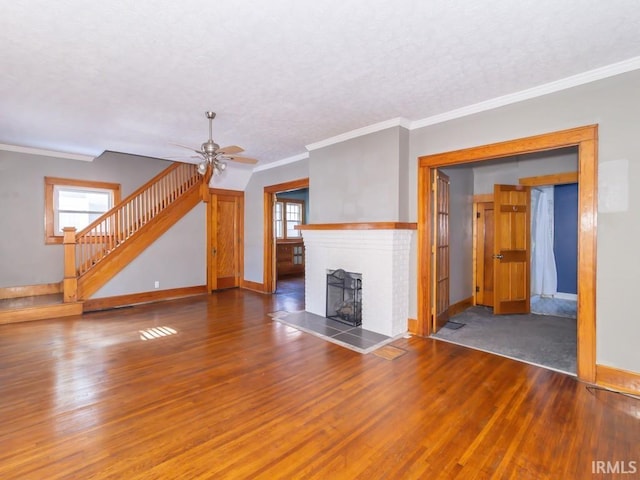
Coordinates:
519 328
554 226
585 139
283 255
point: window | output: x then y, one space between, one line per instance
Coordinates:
288 213
75 203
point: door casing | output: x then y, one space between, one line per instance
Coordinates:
586 139
483 249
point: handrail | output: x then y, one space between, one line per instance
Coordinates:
115 226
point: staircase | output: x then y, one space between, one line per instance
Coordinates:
97 253
25 305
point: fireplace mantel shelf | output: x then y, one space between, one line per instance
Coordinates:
359 226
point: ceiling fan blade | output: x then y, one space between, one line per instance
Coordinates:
230 150
182 157
188 148
235 158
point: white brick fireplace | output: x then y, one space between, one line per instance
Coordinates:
380 252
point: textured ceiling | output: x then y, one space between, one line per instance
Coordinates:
133 76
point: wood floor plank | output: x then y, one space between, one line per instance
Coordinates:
233 394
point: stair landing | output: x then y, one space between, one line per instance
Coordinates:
39 307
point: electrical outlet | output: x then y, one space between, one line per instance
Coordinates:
156 284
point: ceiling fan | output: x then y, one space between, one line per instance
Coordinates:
212 154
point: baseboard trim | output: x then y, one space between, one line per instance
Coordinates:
31 290
94 304
460 306
566 296
253 286
618 379
412 326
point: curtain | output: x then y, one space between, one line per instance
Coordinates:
544 276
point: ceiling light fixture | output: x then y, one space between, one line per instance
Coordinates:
210 153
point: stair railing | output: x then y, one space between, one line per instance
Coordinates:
107 232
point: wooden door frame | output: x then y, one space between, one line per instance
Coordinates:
586 139
213 194
478 245
269 273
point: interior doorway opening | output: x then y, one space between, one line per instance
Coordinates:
535 320
585 140
290 210
286 205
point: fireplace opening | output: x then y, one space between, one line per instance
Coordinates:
344 297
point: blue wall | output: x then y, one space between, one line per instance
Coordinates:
565 242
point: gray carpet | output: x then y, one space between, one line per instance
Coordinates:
539 339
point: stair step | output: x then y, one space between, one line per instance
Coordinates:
40 307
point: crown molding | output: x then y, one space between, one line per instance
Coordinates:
359 132
46 153
284 161
545 89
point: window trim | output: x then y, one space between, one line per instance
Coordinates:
284 201
50 236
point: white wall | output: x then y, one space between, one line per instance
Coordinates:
614 104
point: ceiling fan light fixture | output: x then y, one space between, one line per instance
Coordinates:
219 166
202 167
210 148
211 153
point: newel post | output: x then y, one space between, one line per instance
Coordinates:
70 283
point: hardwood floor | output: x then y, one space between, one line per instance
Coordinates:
233 394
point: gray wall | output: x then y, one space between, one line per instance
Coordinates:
177 259
254 213
24 257
405 178
508 171
614 104
358 180
460 233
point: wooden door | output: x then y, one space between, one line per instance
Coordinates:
484 253
225 240
440 309
512 239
